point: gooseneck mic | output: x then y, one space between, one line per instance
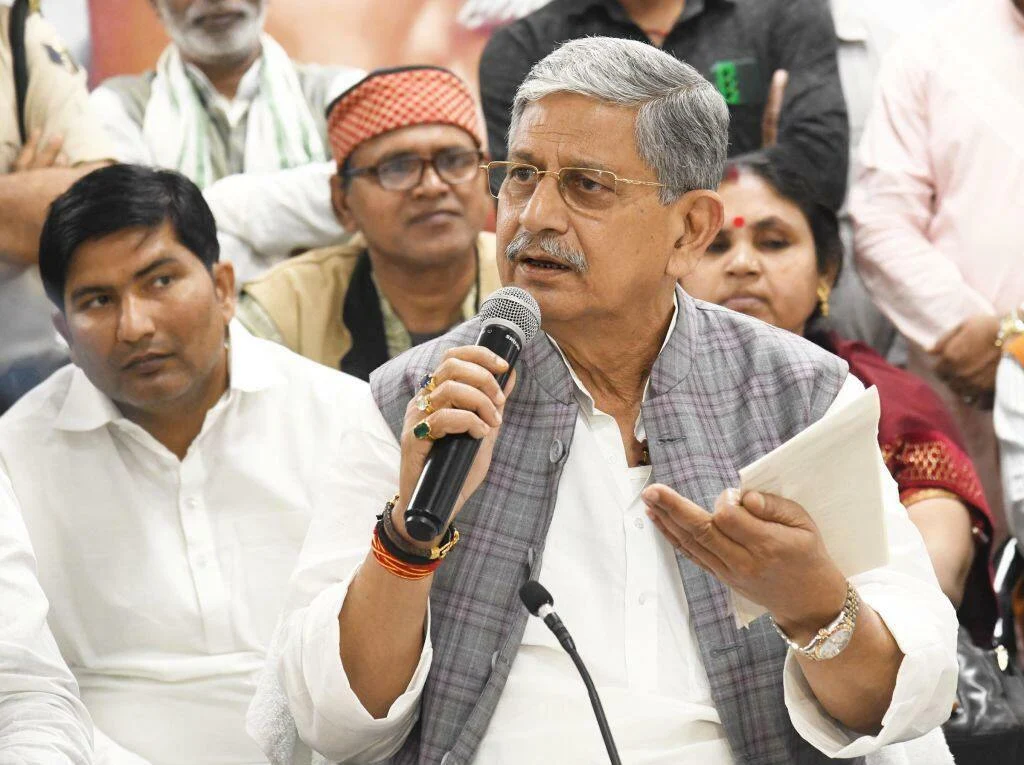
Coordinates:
538 601
511 318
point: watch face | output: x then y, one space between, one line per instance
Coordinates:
833 645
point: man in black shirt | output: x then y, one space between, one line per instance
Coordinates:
736 44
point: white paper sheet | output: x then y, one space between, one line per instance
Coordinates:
831 469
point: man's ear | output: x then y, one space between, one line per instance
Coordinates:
700 215
223 274
60 323
339 201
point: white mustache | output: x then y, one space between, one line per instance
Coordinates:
550 246
205 8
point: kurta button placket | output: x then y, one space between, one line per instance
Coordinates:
201 552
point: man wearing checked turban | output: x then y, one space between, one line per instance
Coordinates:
408 145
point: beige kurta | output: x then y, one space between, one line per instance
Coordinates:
299 302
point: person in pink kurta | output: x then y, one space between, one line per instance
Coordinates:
938 204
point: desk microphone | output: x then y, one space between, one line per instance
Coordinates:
538 601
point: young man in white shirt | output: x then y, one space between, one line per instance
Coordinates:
168 476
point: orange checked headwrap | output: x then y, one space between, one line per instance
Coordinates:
388 99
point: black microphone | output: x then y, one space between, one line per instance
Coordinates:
511 318
538 601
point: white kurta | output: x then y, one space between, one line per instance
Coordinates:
166 576
617 587
41 718
1009 426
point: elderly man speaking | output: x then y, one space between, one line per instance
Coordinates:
625 421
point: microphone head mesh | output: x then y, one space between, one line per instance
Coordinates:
513 305
534 595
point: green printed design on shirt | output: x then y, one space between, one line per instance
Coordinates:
727 81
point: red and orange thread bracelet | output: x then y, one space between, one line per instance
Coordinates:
410 571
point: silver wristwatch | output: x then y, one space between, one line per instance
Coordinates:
830 641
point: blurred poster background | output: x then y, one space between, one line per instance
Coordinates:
125 36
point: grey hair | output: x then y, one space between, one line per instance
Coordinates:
682 123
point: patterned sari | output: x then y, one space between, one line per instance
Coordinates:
923 451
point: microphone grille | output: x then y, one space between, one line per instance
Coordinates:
534 595
513 305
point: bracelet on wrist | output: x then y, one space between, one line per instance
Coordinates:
417 553
396 566
401 557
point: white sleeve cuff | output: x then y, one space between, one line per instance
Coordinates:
342 727
923 623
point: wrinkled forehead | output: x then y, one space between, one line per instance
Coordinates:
570 130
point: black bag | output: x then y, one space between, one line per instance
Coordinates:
987 724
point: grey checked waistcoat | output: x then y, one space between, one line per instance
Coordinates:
725 390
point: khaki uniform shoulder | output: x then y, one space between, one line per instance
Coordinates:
57 101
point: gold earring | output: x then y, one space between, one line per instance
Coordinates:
823 294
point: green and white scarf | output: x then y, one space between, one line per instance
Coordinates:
280 133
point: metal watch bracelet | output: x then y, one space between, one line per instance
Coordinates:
831 640
1010 326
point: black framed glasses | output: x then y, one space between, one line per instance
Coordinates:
582 188
405 171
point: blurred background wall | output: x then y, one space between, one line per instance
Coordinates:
126 36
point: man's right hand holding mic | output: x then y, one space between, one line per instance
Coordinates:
384 616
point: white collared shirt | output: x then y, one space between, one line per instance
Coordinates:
1008 419
41 718
617 587
166 576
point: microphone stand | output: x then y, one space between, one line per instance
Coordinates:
595 702
538 601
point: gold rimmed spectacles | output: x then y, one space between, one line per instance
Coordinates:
582 188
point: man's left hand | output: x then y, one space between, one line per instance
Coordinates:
765 547
968 358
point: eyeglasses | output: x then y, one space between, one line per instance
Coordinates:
582 188
405 171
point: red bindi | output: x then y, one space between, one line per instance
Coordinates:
738 222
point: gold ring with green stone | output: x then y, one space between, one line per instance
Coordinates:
422 431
